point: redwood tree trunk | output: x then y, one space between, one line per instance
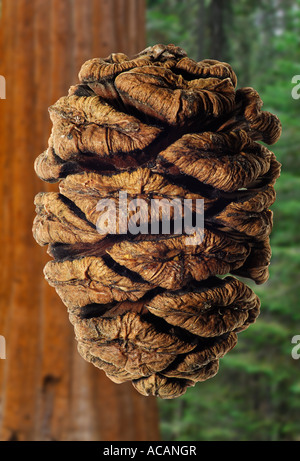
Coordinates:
47 391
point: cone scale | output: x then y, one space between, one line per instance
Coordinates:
146 306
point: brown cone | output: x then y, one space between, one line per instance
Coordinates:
148 307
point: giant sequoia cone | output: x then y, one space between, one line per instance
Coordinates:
147 307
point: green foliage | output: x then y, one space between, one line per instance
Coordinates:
255 395
172 21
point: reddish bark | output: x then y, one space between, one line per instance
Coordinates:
47 391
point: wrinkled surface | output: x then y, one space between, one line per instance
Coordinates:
146 305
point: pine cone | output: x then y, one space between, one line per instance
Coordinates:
146 306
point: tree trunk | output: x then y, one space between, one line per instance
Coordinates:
47 391
217 14
201 29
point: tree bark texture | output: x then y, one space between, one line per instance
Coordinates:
217 13
47 391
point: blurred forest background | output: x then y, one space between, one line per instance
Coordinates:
256 394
